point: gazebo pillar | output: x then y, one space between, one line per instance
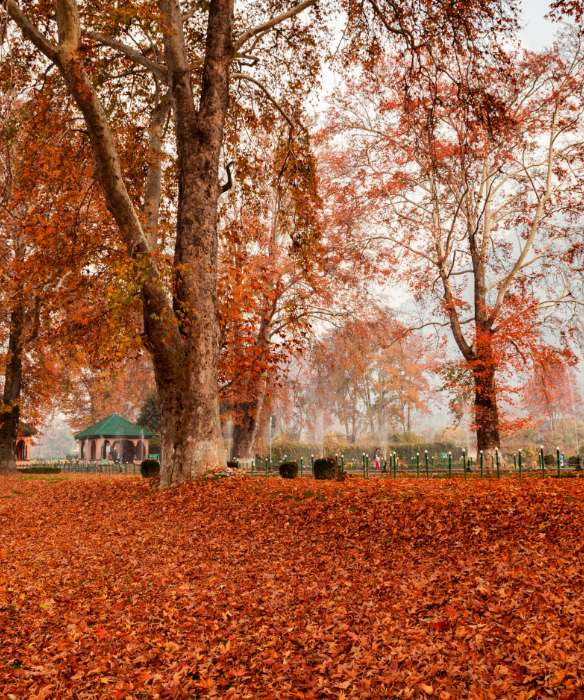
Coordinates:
98 447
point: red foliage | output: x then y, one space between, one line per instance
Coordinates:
251 588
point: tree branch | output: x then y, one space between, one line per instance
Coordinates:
108 168
31 32
264 89
156 68
229 184
266 26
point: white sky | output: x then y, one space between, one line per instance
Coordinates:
538 32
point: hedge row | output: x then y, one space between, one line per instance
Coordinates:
39 470
293 451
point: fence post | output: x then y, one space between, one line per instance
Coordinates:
450 465
417 464
520 462
514 461
363 460
312 464
482 462
542 461
497 462
558 459
301 466
464 461
395 465
267 466
426 462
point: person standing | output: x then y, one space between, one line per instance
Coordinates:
377 460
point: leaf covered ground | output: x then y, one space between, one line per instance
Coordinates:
263 588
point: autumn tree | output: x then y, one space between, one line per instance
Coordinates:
469 179
276 278
110 383
191 54
551 394
370 377
53 283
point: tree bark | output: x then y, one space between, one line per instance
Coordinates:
192 422
485 407
10 408
246 426
245 431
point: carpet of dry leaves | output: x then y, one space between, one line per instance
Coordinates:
264 588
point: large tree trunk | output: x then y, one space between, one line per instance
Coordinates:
188 437
182 336
485 408
245 430
246 426
10 408
191 429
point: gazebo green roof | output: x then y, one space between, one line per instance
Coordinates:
26 429
114 426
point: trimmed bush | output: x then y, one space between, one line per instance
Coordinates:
40 470
575 461
288 470
233 464
150 468
325 468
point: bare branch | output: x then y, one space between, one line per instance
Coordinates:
535 222
153 184
264 89
68 25
266 26
136 56
568 299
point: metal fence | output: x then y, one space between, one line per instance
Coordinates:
79 467
393 466
426 465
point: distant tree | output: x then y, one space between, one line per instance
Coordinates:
372 376
106 383
551 395
149 416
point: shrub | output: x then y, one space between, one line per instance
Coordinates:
40 470
325 468
288 470
233 464
149 468
575 461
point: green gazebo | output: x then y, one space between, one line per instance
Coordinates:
114 438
